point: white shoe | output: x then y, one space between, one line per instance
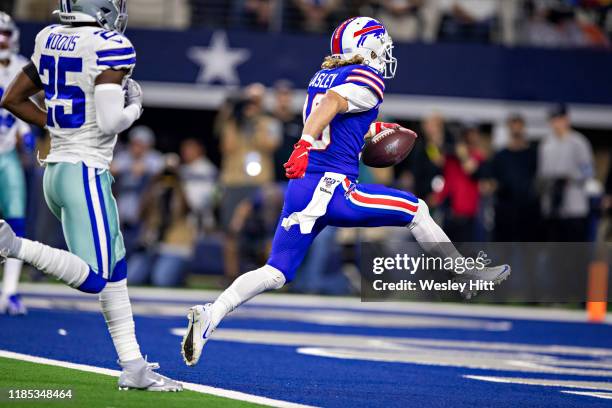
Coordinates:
9 243
495 274
140 375
198 332
13 306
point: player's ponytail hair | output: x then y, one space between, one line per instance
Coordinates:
332 61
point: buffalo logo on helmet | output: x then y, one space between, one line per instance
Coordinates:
373 28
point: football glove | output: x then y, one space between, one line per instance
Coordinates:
298 162
377 127
133 93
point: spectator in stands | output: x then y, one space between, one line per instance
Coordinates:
7 6
290 126
502 132
606 205
460 193
565 164
251 229
513 170
317 15
402 18
467 20
607 200
167 236
212 13
591 17
553 24
199 178
32 10
255 14
249 138
133 168
427 160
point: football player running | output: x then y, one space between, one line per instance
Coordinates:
84 67
12 179
341 107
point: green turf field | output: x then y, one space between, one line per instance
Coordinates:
90 390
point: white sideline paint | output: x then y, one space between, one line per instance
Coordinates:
204 389
293 300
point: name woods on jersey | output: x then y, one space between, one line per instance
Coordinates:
84 67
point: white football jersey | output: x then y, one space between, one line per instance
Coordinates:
69 59
10 126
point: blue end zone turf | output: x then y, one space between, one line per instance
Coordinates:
281 358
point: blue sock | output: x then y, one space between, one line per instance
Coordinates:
93 284
18 225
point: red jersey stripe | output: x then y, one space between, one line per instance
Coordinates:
369 75
383 201
367 81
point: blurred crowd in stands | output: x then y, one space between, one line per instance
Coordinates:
546 23
187 212
181 213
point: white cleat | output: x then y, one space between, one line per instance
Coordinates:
198 332
13 306
495 274
140 375
9 243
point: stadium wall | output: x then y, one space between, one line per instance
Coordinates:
198 68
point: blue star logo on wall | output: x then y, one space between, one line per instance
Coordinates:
218 62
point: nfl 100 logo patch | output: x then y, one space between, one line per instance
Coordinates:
328 184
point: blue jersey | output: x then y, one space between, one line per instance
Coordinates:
337 149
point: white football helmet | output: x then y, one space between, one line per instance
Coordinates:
368 38
9 36
109 14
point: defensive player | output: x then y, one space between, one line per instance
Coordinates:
84 67
341 106
12 180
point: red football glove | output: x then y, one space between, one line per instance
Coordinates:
298 162
377 127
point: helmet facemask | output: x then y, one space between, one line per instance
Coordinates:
389 62
381 58
122 16
119 24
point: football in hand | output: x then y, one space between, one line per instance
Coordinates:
389 147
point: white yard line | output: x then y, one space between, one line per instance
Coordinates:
602 395
204 389
587 385
278 299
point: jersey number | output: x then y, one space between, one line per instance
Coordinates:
56 89
324 138
6 119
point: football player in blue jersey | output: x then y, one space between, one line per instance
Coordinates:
341 107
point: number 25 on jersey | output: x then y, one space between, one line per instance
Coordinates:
61 97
